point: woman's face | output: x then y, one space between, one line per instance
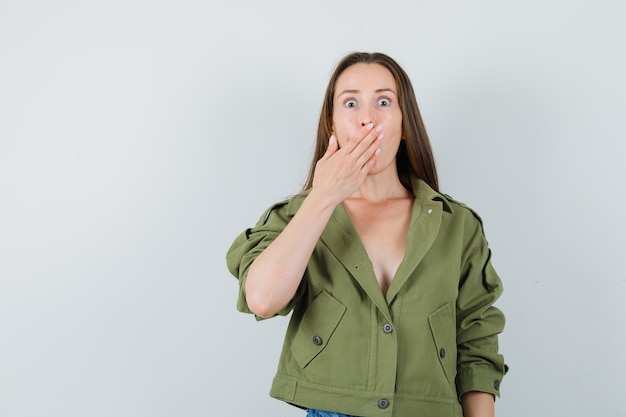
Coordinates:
367 93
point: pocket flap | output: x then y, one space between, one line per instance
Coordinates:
316 328
444 335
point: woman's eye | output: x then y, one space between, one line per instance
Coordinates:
384 102
350 103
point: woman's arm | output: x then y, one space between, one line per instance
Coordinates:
274 276
480 367
478 404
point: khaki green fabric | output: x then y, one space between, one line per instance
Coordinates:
412 353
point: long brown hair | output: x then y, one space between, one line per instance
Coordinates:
414 156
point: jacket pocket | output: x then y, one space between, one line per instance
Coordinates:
317 327
443 330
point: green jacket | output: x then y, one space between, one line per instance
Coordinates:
413 352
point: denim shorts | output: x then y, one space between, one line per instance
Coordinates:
312 412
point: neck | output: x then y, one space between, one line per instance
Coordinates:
377 188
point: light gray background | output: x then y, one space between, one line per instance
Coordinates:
138 138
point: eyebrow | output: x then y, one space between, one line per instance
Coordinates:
380 90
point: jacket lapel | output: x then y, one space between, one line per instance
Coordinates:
425 223
343 241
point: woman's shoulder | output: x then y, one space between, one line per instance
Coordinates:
451 205
282 211
456 212
461 207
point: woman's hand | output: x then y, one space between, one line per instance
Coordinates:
340 172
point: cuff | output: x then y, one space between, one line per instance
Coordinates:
479 379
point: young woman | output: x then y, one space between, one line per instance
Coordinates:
389 281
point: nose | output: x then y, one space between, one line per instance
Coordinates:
366 116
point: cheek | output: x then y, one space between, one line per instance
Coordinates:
342 136
393 125
396 131
343 129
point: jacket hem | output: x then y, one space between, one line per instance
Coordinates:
304 394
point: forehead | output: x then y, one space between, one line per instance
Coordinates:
365 77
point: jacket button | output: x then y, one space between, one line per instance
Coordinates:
317 341
496 385
387 328
442 353
383 403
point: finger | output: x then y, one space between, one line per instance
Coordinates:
368 157
368 144
371 161
354 142
332 147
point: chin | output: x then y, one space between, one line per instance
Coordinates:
379 168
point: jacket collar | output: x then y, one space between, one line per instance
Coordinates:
423 191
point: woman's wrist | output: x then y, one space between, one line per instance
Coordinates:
321 201
478 404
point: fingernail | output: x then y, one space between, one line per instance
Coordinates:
379 128
377 151
370 126
331 140
380 137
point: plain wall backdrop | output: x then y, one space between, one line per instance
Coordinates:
138 138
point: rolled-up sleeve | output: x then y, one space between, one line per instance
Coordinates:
480 367
249 244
